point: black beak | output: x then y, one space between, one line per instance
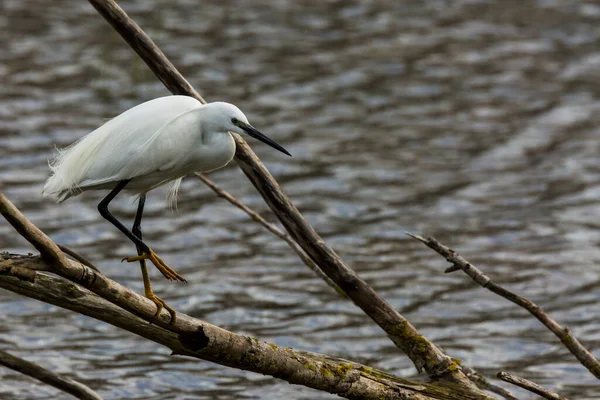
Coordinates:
252 131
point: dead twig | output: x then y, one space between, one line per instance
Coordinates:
67 385
271 228
585 357
531 386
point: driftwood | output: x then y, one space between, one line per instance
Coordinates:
84 290
79 287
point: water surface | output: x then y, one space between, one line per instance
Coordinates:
476 122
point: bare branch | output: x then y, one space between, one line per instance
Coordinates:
62 383
47 248
483 383
78 257
585 357
271 228
199 339
531 386
192 337
424 354
146 48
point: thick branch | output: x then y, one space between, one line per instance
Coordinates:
62 383
47 248
424 354
531 386
196 338
585 357
192 337
145 47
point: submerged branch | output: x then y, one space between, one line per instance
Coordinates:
62 383
585 357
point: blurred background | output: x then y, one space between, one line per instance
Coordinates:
472 121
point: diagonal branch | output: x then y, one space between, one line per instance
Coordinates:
86 291
585 357
531 386
424 354
199 339
47 248
62 383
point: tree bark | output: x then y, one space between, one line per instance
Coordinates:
199 339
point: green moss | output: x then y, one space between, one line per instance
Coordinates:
71 290
343 369
325 370
331 370
404 333
251 340
274 347
310 367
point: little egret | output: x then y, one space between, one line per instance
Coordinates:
152 144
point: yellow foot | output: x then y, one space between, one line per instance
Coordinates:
160 304
164 269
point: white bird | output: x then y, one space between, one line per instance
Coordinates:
147 146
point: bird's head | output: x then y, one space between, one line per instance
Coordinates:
229 118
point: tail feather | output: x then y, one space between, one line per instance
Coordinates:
172 193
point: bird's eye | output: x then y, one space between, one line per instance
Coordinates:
234 121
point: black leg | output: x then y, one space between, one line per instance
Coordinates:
137 224
103 209
144 252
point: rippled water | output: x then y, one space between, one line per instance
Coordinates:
472 121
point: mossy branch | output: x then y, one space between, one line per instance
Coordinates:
424 354
84 290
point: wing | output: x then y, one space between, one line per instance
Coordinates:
109 153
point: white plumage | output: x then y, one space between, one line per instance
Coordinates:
157 142
151 144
